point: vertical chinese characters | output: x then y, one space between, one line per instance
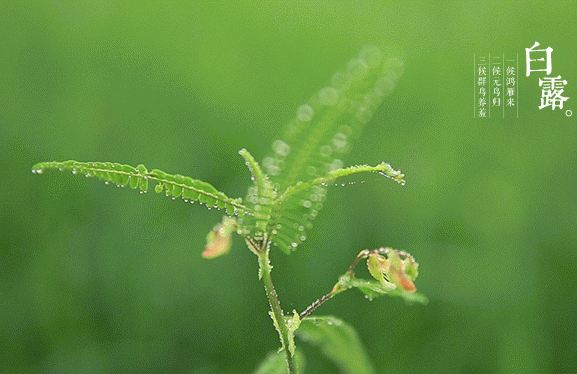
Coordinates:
496 77
496 86
552 88
510 85
481 88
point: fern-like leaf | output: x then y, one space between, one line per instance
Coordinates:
325 127
139 177
383 169
260 198
321 134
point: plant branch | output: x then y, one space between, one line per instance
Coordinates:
275 306
383 169
337 288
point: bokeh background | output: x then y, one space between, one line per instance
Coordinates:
98 279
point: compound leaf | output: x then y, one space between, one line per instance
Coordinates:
383 169
139 177
320 135
260 198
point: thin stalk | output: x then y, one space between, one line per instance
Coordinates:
337 287
318 302
275 306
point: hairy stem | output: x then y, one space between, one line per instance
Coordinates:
318 302
275 306
337 287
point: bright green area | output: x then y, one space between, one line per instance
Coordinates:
96 279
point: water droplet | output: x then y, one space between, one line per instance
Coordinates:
336 164
329 96
74 171
294 244
340 140
268 161
371 54
281 148
356 68
326 151
305 113
338 79
384 86
347 130
364 114
272 170
307 204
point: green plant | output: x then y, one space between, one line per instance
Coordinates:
285 197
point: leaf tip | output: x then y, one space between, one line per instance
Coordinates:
38 168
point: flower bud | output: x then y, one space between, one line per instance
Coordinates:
218 240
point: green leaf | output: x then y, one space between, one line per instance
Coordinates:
394 272
287 232
375 267
322 133
260 198
293 323
175 186
275 363
383 168
411 298
338 341
373 289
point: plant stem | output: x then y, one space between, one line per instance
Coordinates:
275 306
318 302
337 287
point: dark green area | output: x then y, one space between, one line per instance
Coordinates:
97 279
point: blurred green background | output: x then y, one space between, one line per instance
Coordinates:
97 279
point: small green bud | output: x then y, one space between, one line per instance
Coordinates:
379 268
398 273
376 265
